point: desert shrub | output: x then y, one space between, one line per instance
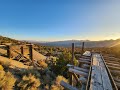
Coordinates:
60 68
1 68
5 64
42 64
76 63
29 82
59 79
7 80
46 87
56 85
30 71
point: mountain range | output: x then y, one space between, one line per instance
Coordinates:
67 43
78 43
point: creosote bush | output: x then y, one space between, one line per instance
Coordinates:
56 85
1 68
5 64
29 82
30 71
7 80
42 64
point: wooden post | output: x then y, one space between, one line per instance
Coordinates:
30 52
22 51
83 47
72 63
73 48
8 51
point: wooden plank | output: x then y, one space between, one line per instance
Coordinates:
96 81
99 77
105 78
117 80
118 84
77 68
78 72
115 71
115 60
86 66
113 67
110 75
83 80
67 86
81 69
118 65
81 61
112 62
84 59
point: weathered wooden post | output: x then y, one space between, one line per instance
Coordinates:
83 47
8 51
72 63
22 50
73 49
31 51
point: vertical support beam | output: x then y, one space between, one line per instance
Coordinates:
22 50
72 62
73 49
83 47
30 52
8 51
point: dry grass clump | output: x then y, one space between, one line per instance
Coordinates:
7 80
1 68
56 85
42 64
29 82
5 64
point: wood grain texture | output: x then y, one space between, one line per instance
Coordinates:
99 76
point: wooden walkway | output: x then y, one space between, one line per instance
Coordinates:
93 74
99 77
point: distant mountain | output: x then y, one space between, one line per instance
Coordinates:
105 43
67 43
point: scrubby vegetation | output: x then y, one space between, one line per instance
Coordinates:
50 72
29 82
7 80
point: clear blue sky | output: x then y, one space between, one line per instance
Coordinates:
51 20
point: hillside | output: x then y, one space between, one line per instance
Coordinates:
4 40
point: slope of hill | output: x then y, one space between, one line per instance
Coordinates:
12 63
4 40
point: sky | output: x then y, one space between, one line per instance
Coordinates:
56 20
